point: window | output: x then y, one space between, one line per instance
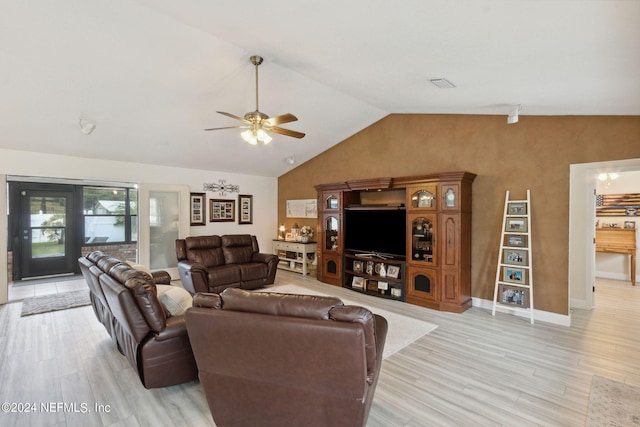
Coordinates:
110 215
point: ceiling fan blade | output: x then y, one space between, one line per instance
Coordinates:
278 120
286 132
233 116
230 127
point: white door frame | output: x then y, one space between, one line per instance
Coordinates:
144 226
582 207
4 273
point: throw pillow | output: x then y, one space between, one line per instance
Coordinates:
174 299
139 267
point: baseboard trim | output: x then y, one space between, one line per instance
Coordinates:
543 316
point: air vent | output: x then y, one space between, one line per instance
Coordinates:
442 83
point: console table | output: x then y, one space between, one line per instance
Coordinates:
294 256
618 241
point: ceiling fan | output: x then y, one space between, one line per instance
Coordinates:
257 123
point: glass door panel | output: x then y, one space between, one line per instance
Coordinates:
46 244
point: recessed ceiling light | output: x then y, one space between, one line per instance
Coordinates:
442 83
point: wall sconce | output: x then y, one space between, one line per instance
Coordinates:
514 115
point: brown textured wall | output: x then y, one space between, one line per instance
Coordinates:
533 154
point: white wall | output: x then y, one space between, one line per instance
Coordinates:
263 189
615 266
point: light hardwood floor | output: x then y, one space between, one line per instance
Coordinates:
473 370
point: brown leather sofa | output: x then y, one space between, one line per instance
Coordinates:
214 263
268 359
125 301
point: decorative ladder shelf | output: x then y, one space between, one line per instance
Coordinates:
514 275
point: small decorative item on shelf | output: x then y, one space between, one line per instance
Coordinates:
295 232
357 266
369 267
383 270
306 232
383 287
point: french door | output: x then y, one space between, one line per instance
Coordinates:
47 241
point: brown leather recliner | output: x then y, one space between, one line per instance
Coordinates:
214 263
272 359
125 301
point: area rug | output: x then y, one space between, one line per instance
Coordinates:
402 331
55 302
612 403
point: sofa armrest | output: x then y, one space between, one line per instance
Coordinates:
161 277
193 276
207 300
272 264
264 257
176 327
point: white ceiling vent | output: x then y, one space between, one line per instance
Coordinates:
442 83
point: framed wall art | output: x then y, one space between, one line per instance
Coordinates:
514 295
222 210
515 257
517 208
245 209
514 275
198 204
516 225
515 240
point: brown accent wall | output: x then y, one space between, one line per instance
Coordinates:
533 154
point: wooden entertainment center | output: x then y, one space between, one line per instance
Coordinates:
435 269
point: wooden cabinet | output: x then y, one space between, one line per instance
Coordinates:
436 270
295 256
618 241
329 249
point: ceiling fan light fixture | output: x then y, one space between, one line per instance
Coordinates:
254 136
258 123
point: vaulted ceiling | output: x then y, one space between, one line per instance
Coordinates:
151 74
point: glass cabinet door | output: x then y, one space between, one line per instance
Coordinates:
331 202
423 197
423 242
332 230
450 196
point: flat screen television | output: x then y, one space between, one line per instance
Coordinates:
381 231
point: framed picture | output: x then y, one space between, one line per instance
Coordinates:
198 204
515 257
516 225
514 275
513 295
629 224
221 210
357 282
515 241
516 208
245 209
393 271
357 266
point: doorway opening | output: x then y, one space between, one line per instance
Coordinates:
582 225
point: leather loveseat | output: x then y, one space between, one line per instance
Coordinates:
214 263
125 301
268 359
